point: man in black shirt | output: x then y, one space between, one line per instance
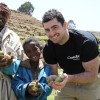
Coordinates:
76 52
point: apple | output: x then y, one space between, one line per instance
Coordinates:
58 79
1 53
35 86
49 79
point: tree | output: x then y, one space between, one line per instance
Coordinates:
27 8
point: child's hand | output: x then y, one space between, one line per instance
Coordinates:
34 88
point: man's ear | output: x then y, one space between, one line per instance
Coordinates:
65 25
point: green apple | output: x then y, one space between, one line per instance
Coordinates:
58 79
49 79
35 86
1 52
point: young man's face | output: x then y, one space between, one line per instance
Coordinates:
3 19
54 30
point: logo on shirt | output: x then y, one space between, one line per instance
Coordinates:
76 57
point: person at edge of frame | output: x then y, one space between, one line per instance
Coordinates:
10 50
76 52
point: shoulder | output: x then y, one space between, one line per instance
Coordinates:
11 32
17 62
83 36
47 67
80 32
49 46
49 43
25 64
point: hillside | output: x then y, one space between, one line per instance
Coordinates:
25 25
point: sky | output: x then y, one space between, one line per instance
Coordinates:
85 13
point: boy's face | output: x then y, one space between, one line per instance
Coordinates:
32 51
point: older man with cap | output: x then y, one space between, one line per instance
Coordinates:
12 49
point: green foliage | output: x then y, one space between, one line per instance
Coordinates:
51 97
27 8
42 39
22 38
99 49
98 45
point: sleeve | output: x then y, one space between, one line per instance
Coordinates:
89 50
46 89
18 85
49 53
11 69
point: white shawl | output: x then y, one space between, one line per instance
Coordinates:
10 43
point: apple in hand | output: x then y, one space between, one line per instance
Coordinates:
35 86
58 79
1 52
49 79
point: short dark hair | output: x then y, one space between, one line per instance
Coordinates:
51 14
4 8
32 39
